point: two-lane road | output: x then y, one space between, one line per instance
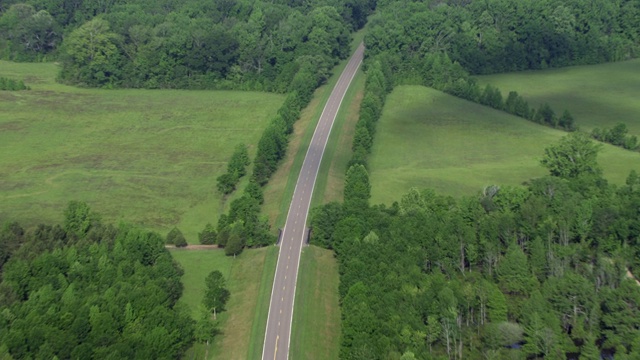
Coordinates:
278 334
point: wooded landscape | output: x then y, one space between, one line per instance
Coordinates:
542 270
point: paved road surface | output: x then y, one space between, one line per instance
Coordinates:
277 337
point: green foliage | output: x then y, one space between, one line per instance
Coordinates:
205 329
90 55
137 43
109 292
513 272
175 237
79 218
237 239
357 189
616 136
216 294
12 85
208 236
28 34
573 156
474 276
236 169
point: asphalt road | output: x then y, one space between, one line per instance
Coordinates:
277 337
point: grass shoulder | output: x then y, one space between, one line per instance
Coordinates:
315 331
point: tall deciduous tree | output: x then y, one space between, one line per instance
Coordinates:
573 156
216 293
90 54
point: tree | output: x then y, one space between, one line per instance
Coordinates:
176 238
208 236
78 218
573 156
216 293
91 55
566 121
513 272
205 329
236 241
357 189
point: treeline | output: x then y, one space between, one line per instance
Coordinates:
377 85
616 136
467 88
85 289
243 226
514 272
12 85
239 44
505 35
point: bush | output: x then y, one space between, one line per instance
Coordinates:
176 238
12 85
208 236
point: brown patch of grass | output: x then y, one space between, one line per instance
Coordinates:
12 126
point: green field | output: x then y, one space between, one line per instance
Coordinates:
428 139
150 157
315 332
597 95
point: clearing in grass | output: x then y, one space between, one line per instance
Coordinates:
597 95
150 157
315 331
428 139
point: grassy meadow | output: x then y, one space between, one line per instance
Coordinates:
148 157
428 139
597 95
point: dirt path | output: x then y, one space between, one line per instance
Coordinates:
194 247
630 275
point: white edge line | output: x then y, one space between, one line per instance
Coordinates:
295 287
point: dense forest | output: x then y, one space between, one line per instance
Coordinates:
87 290
492 36
181 44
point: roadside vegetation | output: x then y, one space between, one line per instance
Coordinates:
316 318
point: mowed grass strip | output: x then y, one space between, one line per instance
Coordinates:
330 183
315 331
148 157
428 139
597 95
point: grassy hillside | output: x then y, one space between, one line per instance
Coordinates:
597 95
148 156
428 139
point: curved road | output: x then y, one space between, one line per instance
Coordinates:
277 337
